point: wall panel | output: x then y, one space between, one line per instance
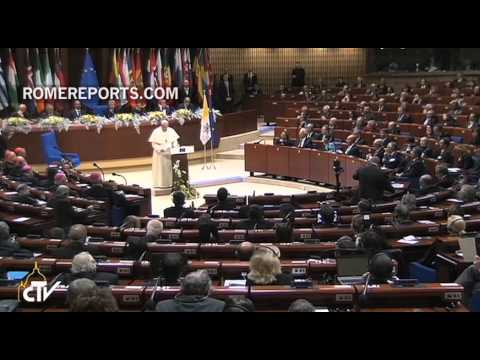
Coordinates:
274 66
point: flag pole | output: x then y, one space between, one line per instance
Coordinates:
212 153
204 157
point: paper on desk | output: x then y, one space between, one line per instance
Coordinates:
35 255
454 170
41 202
426 222
21 219
10 193
343 286
455 200
448 284
235 283
131 196
398 185
410 242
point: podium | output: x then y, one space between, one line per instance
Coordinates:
181 154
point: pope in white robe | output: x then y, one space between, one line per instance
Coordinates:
163 140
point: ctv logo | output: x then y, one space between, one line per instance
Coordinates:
34 289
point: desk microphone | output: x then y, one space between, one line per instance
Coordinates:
123 177
150 304
101 170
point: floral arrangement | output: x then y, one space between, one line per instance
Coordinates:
156 117
183 115
181 182
18 124
92 120
55 123
129 119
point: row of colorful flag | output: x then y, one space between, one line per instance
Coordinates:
39 73
127 69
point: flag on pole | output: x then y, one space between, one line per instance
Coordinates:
38 77
29 83
12 81
138 77
115 77
178 68
167 74
124 70
159 74
152 69
59 75
89 79
187 65
3 89
206 131
47 71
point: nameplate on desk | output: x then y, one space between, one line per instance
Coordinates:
299 271
131 299
343 297
190 251
235 283
449 284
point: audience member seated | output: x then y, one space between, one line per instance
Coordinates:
64 213
245 251
265 268
239 304
130 222
284 139
85 266
137 245
427 151
283 233
255 219
456 225
444 179
85 296
401 215
301 305
172 267
326 216
372 242
393 159
345 243
410 201
76 244
352 148
415 168
97 190
426 185
303 141
193 297
207 230
9 246
223 202
24 195
56 233
430 119
445 152
178 210
403 116
467 194
381 269
470 280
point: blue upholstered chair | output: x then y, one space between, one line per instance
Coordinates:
423 273
53 153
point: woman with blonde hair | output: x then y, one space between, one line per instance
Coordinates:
266 269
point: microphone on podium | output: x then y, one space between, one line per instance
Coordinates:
101 170
123 177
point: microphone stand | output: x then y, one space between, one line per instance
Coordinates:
101 170
123 177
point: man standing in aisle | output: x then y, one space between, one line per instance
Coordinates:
298 76
163 139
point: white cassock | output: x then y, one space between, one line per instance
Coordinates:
163 142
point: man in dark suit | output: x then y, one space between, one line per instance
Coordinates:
8 245
373 182
352 148
443 177
223 202
255 220
403 116
415 167
84 266
304 142
250 80
393 159
186 91
22 112
111 110
445 155
76 244
427 151
298 76
187 105
77 111
193 297
49 111
137 245
162 105
25 196
226 93
178 210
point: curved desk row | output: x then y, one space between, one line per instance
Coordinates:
307 164
126 143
